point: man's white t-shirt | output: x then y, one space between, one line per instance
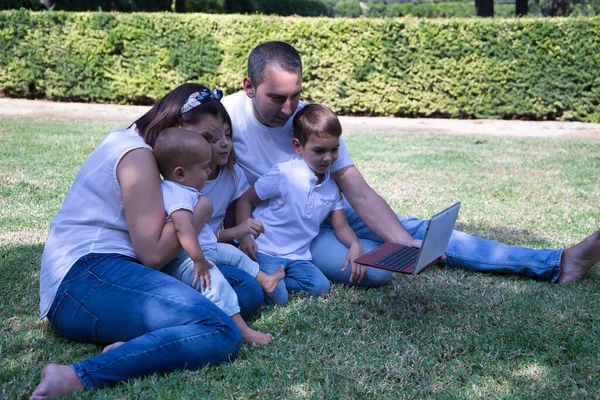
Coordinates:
293 209
258 147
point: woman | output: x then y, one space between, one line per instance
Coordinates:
100 279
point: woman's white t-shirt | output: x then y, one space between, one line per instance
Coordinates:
91 219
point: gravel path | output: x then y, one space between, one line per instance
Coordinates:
127 114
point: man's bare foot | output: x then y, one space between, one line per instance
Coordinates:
578 260
269 281
57 381
251 336
111 346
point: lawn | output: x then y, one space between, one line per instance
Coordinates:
444 334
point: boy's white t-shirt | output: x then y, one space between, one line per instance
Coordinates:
181 197
258 147
294 208
223 190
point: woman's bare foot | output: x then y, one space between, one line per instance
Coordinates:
57 381
251 336
579 259
269 281
111 346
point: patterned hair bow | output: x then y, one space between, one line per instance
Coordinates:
200 97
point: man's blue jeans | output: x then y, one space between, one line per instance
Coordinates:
165 324
464 251
300 276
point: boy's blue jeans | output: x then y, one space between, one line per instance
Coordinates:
165 324
464 251
300 276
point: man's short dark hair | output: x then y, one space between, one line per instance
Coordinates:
318 120
275 54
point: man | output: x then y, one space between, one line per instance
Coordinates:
262 136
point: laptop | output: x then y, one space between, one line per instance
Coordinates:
410 260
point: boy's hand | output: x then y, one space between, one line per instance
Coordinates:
248 246
251 227
201 268
358 270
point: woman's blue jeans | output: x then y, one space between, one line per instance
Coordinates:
165 324
464 251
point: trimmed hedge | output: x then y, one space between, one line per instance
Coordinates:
462 68
352 9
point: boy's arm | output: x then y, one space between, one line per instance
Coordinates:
243 212
188 237
346 235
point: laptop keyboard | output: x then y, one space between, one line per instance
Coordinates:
399 259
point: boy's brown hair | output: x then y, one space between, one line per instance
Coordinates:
315 119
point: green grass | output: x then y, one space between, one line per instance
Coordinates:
444 334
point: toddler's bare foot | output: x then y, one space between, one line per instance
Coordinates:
269 281
57 381
578 260
111 346
251 336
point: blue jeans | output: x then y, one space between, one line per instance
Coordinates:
165 324
464 251
227 254
300 276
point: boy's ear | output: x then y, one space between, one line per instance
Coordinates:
248 87
297 146
179 174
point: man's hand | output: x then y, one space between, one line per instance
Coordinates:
201 268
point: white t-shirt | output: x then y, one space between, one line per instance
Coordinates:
294 208
91 219
181 197
258 147
222 191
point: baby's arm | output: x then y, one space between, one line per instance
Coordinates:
243 213
346 235
188 237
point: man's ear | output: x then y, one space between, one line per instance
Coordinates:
297 146
248 87
179 174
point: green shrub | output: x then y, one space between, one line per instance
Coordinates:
527 68
352 9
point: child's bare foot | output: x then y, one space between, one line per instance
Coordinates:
57 381
251 336
579 259
269 281
111 346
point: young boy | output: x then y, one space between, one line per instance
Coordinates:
293 199
183 158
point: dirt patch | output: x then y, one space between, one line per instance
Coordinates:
127 114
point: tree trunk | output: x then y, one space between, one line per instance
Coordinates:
521 8
484 8
48 3
179 6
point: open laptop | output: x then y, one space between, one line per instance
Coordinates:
410 260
